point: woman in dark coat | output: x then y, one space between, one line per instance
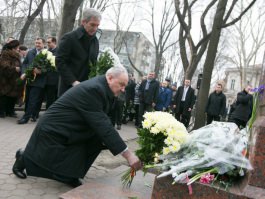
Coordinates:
10 89
243 108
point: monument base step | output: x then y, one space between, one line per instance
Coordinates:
110 187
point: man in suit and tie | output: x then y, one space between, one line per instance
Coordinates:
183 103
35 89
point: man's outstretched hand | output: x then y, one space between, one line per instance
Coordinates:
132 159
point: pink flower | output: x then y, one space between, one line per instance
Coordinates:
206 178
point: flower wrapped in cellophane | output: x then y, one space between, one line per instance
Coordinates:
44 61
212 151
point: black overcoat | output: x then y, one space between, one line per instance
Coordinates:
216 104
73 131
76 50
189 101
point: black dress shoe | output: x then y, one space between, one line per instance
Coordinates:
22 121
18 167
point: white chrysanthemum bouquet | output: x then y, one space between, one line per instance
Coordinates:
163 130
161 134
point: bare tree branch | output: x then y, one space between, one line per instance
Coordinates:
240 16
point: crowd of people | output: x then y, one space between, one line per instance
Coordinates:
82 115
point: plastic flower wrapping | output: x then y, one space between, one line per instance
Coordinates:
107 59
45 61
210 152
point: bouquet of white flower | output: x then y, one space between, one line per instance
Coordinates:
45 61
161 134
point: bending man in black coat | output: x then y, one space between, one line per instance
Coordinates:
77 49
74 130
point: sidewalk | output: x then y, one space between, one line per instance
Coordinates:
14 136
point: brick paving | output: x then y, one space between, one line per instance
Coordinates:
14 136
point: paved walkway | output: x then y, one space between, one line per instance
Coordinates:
14 136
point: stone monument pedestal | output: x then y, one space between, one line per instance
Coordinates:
251 186
110 187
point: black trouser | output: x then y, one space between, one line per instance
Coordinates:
10 108
127 111
34 97
182 117
3 101
116 115
7 105
136 108
211 118
51 94
143 107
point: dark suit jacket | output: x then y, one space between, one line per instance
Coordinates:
189 100
53 76
151 95
40 80
72 130
76 50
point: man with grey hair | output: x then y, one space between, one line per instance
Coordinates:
73 131
77 49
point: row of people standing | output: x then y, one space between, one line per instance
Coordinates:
77 48
151 95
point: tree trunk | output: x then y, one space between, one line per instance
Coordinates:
31 18
68 16
41 25
209 64
157 64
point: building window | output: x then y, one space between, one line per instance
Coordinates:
233 84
